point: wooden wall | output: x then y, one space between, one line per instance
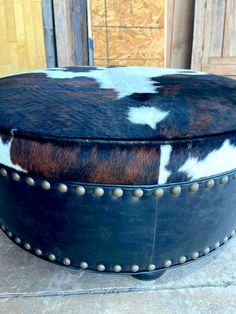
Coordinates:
214 39
21 36
128 32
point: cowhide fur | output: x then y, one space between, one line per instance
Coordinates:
120 125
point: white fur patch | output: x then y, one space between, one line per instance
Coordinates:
124 80
165 152
146 115
5 156
219 160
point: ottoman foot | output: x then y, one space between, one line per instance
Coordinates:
149 276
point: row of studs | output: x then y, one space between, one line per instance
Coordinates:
117 268
117 192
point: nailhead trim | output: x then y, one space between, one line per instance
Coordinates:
119 192
27 246
151 267
134 268
117 268
30 181
66 261
167 263
52 257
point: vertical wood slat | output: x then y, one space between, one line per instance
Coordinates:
21 36
4 47
229 49
71 32
198 35
179 33
49 34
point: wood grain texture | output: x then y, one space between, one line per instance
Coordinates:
49 35
136 13
132 43
21 36
214 41
128 32
179 33
71 32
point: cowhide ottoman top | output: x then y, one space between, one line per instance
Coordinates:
127 125
118 169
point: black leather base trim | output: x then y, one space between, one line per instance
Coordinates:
139 230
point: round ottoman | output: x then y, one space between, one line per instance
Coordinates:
128 170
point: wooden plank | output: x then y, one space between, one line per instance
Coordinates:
217 27
29 32
49 35
222 60
225 69
90 33
10 20
182 30
198 35
169 18
229 49
40 60
4 47
71 32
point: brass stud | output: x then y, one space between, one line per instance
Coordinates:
15 176
100 267
66 261
80 190
83 265
151 267
225 239
182 259
62 188
27 246
134 268
29 181
232 233
18 240
3 172
118 192
38 252
98 191
117 268
158 192
217 244
224 180
138 193
52 257
194 187
9 234
167 263
209 184
206 250
176 190
195 255
3 228
46 185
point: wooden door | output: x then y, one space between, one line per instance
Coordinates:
214 39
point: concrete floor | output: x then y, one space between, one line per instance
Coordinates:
30 285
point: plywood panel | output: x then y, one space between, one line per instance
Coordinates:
139 43
135 13
128 32
98 13
21 36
